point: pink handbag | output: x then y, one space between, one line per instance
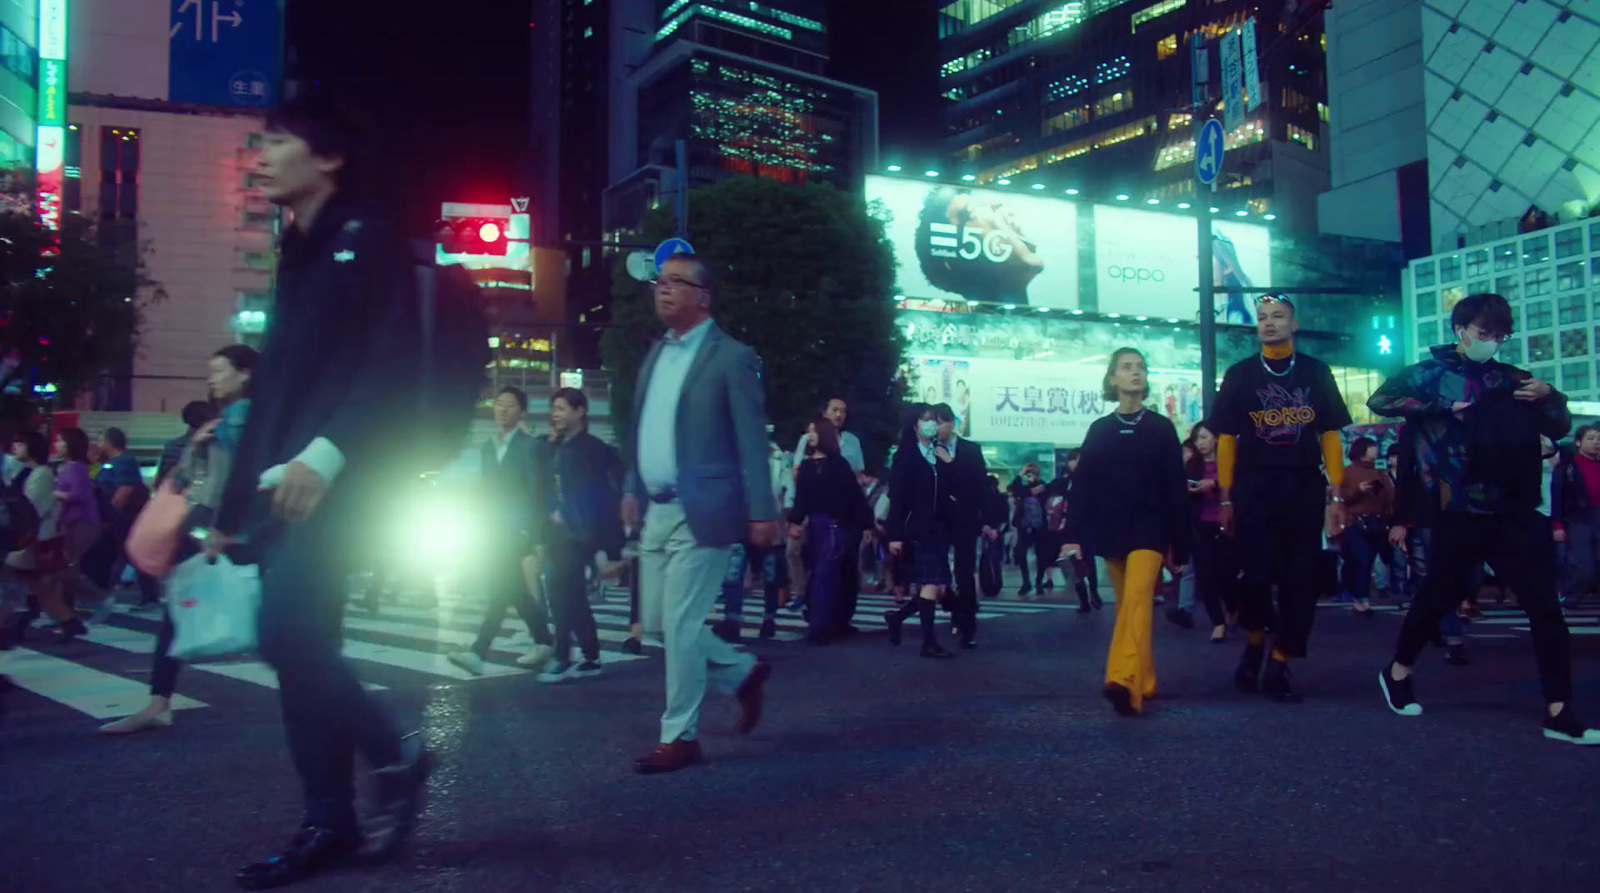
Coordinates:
153 540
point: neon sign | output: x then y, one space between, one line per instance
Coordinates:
50 145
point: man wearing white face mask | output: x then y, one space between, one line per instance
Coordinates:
1475 426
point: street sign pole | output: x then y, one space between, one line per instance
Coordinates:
1208 150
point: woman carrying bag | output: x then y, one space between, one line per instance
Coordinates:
197 481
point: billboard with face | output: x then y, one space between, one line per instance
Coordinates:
1148 264
957 243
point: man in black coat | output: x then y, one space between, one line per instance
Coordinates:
334 374
969 477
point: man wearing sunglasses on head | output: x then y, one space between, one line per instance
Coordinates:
1277 418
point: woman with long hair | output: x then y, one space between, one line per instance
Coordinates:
830 511
1132 504
201 473
919 523
1214 568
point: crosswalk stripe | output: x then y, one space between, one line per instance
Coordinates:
84 689
443 636
467 618
133 641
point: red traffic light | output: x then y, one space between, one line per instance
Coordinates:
472 235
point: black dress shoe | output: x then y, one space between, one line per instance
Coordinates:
969 642
1277 684
69 630
312 850
400 790
632 645
934 650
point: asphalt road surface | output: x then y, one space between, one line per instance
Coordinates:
874 770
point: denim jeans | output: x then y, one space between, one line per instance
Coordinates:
771 562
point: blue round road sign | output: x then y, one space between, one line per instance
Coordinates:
1208 152
667 249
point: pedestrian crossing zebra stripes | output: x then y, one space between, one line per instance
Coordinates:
104 674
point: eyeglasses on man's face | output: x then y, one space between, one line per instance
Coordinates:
674 283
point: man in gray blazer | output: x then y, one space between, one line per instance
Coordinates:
700 470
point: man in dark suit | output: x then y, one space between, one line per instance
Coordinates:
511 477
970 476
700 464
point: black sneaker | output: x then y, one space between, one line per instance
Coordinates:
1456 655
1277 683
586 670
1247 676
1397 693
1181 617
1565 726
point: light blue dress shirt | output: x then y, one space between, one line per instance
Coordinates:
658 419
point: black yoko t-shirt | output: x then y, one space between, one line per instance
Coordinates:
1278 410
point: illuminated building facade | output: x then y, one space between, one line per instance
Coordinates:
1096 95
19 82
162 129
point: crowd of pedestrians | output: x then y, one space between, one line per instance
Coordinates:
1238 512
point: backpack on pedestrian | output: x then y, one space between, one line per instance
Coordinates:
19 526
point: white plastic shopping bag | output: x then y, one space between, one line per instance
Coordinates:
214 605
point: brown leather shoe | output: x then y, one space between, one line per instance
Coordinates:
670 758
750 694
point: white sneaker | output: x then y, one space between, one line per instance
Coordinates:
556 672
466 660
537 656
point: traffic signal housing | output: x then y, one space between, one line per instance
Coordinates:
472 235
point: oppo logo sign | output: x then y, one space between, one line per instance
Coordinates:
1136 274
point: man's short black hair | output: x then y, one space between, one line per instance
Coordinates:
829 402
943 413
1359 447
517 394
117 438
197 413
327 126
1489 311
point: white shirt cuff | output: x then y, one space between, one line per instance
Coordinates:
321 456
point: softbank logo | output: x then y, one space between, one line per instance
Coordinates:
1136 274
950 240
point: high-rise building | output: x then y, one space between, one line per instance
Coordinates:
741 85
1456 120
1095 95
161 133
19 81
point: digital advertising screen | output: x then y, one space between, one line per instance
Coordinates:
1148 264
953 243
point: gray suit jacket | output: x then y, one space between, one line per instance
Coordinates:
723 479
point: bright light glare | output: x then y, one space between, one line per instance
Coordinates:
1038 186
1241 213
1183 206
1004 181
438 530
970 177
1269 217
1122 198
489 232
1072 192
1011 306
894 168
1215 210
1152 201
931 173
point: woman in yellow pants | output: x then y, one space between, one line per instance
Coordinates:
1132 508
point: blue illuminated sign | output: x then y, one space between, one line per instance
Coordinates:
224 52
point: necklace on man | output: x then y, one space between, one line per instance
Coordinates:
1272 371
1130 423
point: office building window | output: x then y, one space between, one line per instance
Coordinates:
18 56
1572 308
1477 263
1116 102
1154 12
1511 351
1303 137
1536 282
1541 348
1569 242
1427 333
1536 250
1449 270
1167 47
1422 275
1569 276
1426 305
1539 315
1066 120
1574 343
1505 257
119 173
1575 376
1507 287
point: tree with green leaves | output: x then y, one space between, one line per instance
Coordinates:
806 277
70 302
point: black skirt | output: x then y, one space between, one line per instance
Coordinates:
927 562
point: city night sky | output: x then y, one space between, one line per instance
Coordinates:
448 96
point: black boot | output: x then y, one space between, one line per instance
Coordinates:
896 619
1083 596
930 644
68 630
400 790
1277 683
1247 676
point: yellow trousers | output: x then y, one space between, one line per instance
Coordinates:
1131 663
